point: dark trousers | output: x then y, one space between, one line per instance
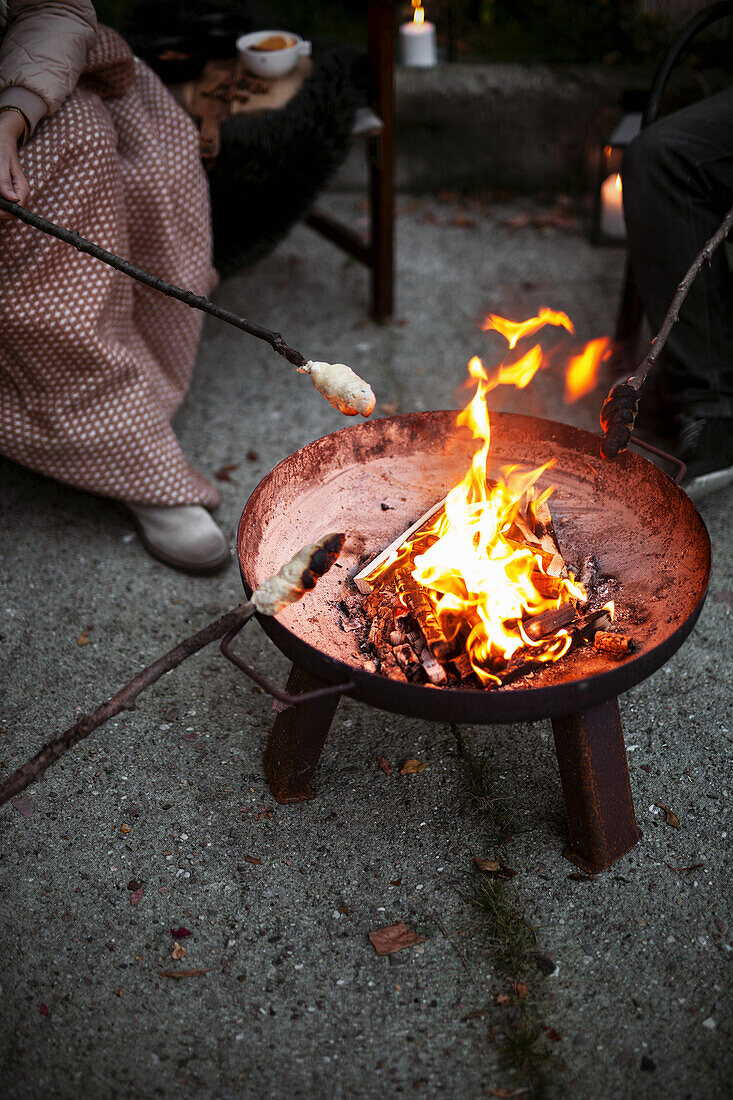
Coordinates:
678 187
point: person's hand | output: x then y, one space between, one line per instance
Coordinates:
13 184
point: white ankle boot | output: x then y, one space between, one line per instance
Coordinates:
185 536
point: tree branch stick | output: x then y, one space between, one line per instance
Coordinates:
197 301
619 410
124 699
703 257
296 577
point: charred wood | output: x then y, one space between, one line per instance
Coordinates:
589 573
461 666
421 609
549 622
614 645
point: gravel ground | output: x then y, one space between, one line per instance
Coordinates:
163 819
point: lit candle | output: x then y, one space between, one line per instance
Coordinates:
418 46
612 208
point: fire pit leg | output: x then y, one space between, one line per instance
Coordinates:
297 738
595 780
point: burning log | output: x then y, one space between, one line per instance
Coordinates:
587 626
544 530
363 580
549 622
461 666
417 602
549 587
615 645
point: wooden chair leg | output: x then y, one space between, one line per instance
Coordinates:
295 744
594 773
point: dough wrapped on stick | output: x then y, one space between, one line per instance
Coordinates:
298 575
344 389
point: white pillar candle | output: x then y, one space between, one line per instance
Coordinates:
418 46
612 208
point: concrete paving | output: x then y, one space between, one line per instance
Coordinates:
159 819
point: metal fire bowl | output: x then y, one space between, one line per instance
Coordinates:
374 479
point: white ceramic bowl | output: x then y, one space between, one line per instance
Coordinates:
271 63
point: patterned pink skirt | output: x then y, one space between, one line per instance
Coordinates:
93 365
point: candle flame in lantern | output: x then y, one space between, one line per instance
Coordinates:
480 575
582 371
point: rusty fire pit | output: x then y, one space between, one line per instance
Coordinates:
371 481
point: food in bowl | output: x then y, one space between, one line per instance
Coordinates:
270 54
275 42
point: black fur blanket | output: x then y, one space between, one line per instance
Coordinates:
273 164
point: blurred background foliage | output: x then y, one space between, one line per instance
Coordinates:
607 32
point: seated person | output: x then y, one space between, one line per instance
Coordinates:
678 187
93 365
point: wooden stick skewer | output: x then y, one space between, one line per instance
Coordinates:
294 579
621 405
338 383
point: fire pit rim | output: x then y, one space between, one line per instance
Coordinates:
477 706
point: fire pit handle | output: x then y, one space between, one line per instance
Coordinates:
281 696
681 467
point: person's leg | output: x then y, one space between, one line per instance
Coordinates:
83 397
678 186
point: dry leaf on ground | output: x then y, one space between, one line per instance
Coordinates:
24 806
671 817
413 767
521 989
506 1094
224 472
393 938
83 638
503 999
384 765
552 1035
493 868
178 952
252 859
178 933
136 896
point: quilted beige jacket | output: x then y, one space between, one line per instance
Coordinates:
43 49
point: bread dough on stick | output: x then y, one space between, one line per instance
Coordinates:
345 390
298 575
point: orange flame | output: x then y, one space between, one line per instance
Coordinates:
582 372
418 15
472 561
513 331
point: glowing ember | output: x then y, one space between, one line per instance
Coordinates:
479 560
